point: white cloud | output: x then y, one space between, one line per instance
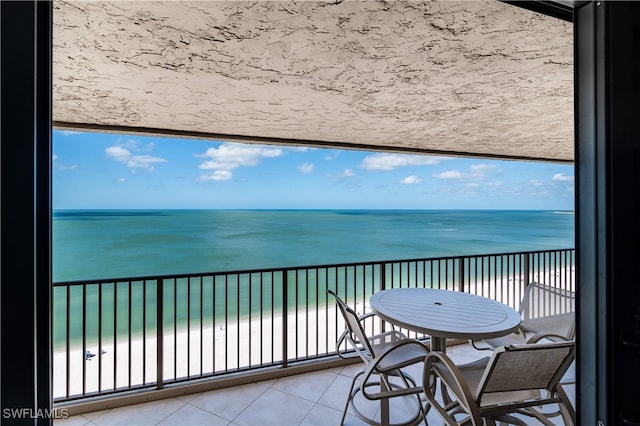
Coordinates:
217 175
330 156
342 175
484 168
230 156
122 180
386 161
560 177
411 180
305 168
62 167
451 174
71 167
473 185
123 155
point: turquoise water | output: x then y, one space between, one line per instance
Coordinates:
112 244
118 244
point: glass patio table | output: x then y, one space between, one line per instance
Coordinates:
443 314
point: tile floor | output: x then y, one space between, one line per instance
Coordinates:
308 399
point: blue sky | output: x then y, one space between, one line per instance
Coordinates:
111 171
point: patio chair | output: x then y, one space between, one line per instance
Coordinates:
548 313
384 356
510 386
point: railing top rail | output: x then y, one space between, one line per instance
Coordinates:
294 268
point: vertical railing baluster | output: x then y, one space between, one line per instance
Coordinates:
238 307
99 337
159 333
188 327
115 335
295 317
285 314
317 280
461 283
250 317
175 328
226 323
261 336
201 329
68 341
306 311
84 339
273 310
129 331
144 332
213 323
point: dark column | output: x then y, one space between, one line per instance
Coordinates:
25 212
608 211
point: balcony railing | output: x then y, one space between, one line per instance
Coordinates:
141 333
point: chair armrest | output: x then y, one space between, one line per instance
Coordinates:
365 316
348 354
398 355
439 365
550 336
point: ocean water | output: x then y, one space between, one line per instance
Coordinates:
112 243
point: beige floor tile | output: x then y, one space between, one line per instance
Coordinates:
336 394
275 408
351 370
193 416
310 386
95 414
78 420
229 403
188 398
325 416
148 413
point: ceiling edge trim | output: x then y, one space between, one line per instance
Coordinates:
146 131
550 8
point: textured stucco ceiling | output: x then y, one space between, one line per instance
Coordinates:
480 77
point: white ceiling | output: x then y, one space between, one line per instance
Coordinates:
457 77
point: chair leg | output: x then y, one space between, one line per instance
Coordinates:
350 396
410 382
566 409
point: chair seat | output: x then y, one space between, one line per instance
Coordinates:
560 325
400 357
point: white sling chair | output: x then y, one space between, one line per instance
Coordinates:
547 313
384 356
511 384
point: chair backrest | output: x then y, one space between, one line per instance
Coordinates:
356 335
548 309
526 367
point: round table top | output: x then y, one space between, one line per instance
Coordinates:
445 313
